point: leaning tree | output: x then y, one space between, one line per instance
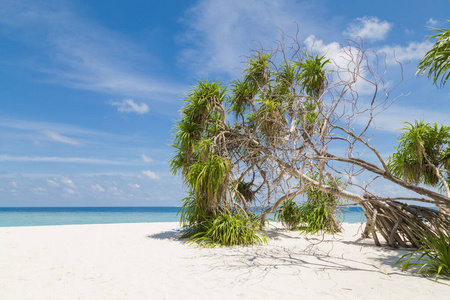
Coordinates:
298 124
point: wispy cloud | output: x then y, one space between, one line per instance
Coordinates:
53 176
84 190
38 190
43 126
82 54
129 106
78 160
54 136
369 28
97 188
40 131
52 183
221 32
68 182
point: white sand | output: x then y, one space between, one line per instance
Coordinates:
147 261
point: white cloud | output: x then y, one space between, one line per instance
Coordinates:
68 182
52 183
129 106
368 28
431 22
405 54
97 187
78 160
134 186
146 159
150 174
54 136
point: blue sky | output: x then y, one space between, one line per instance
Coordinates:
90 90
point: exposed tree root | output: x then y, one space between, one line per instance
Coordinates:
401 224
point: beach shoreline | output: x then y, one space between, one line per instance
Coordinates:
149 261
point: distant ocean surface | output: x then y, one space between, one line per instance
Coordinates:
43 216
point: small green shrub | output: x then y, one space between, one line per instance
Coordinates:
226 230
433 257
316 217
308 217
289 214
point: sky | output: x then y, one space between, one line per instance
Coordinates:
90 90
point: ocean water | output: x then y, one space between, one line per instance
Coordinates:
42 216
351 214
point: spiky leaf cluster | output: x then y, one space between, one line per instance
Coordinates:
423 150
437 59
268 97
312 75
204 169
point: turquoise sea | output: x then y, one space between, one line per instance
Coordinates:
41 216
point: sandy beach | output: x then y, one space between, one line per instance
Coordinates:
148 261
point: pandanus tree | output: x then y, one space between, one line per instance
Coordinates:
199 157
296 124
436 62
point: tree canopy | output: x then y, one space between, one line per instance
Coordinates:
295 124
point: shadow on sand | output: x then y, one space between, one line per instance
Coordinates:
171 235
263 259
